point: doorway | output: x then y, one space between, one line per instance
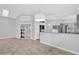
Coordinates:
42 28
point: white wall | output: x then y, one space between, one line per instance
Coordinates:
7 27
66 41
37 31
37 24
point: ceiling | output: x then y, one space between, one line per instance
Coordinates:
51 10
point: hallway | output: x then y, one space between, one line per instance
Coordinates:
28 47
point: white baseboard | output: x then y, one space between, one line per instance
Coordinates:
60 48
7 37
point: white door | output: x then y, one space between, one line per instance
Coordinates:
25 30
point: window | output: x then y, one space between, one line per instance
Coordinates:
5 12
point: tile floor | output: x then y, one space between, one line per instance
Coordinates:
15 46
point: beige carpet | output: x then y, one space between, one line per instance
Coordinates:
28 47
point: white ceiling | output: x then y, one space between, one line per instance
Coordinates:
53 10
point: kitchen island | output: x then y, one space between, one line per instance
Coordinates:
69 42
